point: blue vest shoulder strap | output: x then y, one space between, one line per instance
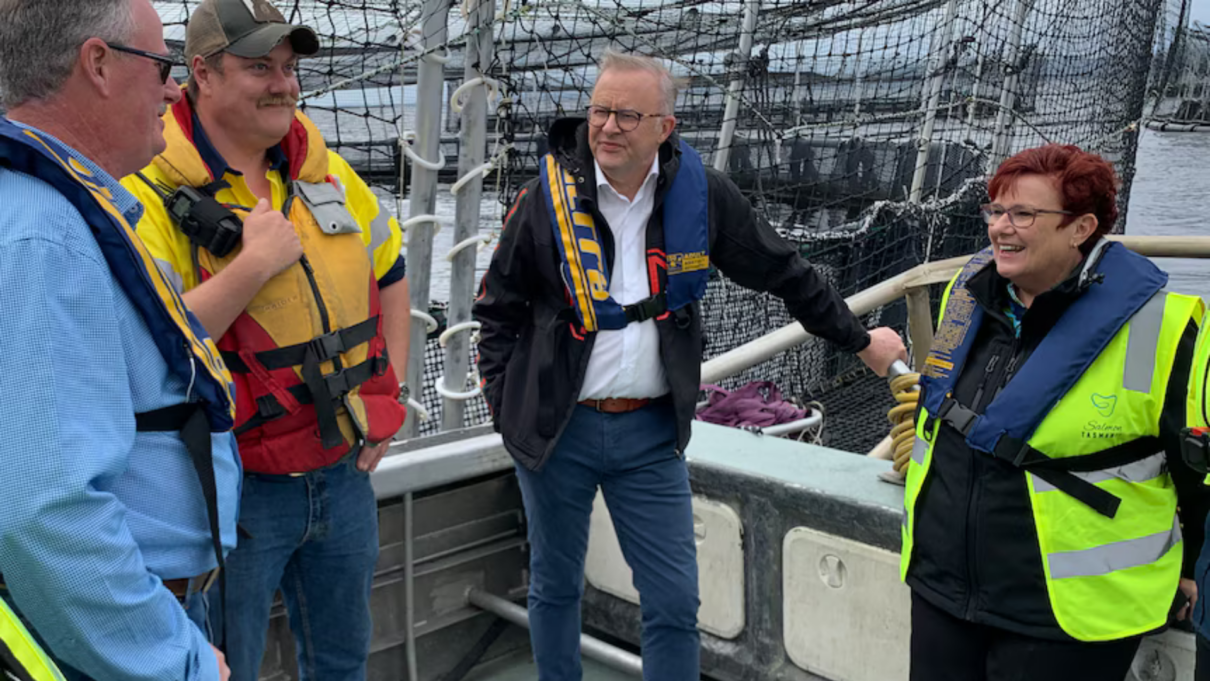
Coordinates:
1126 282
686 256
181 339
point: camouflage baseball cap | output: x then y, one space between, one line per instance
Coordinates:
245 28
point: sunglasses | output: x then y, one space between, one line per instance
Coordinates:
165 62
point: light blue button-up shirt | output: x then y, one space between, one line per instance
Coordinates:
93 514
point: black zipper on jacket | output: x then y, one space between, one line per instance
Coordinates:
987 373
977 464
324 318
319 301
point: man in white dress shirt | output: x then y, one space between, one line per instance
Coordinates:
591 351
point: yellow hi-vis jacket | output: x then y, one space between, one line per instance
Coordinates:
21 658
1106 578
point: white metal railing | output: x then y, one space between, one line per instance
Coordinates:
912 285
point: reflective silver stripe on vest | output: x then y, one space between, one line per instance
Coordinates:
1140 471
919 447
380 230
1121 555
1144 338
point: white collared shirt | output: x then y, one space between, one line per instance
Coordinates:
626 362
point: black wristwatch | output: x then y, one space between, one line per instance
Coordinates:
404 393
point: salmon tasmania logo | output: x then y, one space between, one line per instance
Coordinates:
1104 404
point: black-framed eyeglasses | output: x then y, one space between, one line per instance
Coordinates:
627 119
1019 216
166 62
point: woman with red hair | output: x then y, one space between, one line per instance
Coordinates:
1041 539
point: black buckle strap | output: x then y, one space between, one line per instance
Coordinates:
190 420
338 384
1060 473
1019 454
957 416
1081 490
647 308
325 407
325 348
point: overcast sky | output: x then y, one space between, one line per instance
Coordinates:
1200 11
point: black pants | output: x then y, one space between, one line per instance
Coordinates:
945 648
1203 660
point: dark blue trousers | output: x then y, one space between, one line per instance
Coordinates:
632 458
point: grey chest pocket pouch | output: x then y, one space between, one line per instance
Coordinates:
327 204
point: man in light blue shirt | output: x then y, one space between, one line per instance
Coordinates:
105 531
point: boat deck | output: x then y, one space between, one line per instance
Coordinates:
520 667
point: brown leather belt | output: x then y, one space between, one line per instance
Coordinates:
617 405
201 584
178 587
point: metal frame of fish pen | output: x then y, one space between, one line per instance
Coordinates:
456 460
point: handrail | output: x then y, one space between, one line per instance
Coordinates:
770 345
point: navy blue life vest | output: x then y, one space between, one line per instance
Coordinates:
180 337
1126 282
686 255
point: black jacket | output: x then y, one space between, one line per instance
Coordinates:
533 360
975 552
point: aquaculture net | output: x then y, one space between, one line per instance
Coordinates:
863 131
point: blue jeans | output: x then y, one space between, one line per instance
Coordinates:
632 457
1200 618
195 608
315 537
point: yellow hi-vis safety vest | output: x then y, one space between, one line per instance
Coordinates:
1197 406
1106 578
21 657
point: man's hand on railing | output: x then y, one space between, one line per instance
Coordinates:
885 347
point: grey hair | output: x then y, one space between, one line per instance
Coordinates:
40 42
628 61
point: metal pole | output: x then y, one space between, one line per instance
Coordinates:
731 112
797 96
920 324
429 85
400 128
857 76
409 586
596 649
940 48
973 107
1009 91
472 148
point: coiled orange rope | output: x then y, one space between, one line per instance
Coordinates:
903 424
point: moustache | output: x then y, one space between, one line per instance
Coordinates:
277 101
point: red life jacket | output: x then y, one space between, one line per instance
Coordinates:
307 354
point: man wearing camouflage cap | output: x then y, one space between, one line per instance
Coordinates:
286 257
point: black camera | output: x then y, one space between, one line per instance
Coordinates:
208 223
